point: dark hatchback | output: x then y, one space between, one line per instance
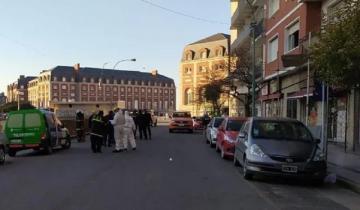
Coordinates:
279 146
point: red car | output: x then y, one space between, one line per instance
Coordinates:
227 134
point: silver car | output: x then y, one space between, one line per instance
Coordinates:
279 146
212 130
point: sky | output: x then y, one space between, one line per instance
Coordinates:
40 34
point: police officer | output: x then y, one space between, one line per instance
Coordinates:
97 132
80 126
149 122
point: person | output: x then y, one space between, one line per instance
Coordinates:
109 136
97 131
118 122
205 119
135 118
141 120
129 128
148 121
80 126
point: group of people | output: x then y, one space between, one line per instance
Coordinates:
117 127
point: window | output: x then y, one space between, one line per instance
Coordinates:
84 79
72 79
273 49
55 78
55 87
15 121
218 53
188 97
273 7
32 120
291 109
64 87
292 36
203 54
189 56
92 80
202 69
64 79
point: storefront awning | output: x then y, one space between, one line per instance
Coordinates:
300 94
270 97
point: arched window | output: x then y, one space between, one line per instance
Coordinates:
188 96
204 54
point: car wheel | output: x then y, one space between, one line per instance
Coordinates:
12 153
48 148
206 140
67 145
246 174
171 131
2 156
191 131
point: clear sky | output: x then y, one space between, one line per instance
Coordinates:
40 34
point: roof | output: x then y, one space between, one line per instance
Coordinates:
213 38
68 72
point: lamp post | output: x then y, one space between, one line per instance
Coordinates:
132 60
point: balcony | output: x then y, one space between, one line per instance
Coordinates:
245 34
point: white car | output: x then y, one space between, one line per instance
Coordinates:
212 130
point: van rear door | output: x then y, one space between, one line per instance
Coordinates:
34 128
14 128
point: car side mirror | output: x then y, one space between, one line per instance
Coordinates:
318 141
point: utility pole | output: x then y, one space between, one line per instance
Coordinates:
308 87
253 108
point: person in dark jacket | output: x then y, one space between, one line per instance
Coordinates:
148 123
135 118
80 126
109 130
142 122
97 131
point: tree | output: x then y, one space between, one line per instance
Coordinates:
13 106
336 57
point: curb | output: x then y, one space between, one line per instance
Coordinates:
348 183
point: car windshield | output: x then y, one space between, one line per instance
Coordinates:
182 114
283 130
218 122
234 125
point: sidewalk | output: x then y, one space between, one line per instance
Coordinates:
346 166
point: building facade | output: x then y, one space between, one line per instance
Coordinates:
201 60
18 90
247 33
69 88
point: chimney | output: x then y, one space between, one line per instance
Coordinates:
77 67
154 72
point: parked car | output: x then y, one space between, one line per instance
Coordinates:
2 150
279 146
227 134
212 130
181 121
35 129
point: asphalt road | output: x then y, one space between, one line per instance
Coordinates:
196 178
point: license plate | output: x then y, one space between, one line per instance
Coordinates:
181 125
290 169
15 141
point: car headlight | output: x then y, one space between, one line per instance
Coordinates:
256 151
228 138
319 156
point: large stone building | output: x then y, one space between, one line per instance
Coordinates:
18 90
199 59
66 88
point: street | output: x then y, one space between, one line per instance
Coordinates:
173 171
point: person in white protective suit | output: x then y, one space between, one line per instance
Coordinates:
118 123
129 129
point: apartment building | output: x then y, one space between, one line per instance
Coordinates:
18 90
199 60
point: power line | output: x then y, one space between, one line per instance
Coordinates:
182 14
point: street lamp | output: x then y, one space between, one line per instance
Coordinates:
132 60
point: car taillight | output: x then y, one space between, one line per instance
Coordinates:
43 136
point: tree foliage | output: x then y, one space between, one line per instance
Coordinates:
336 57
